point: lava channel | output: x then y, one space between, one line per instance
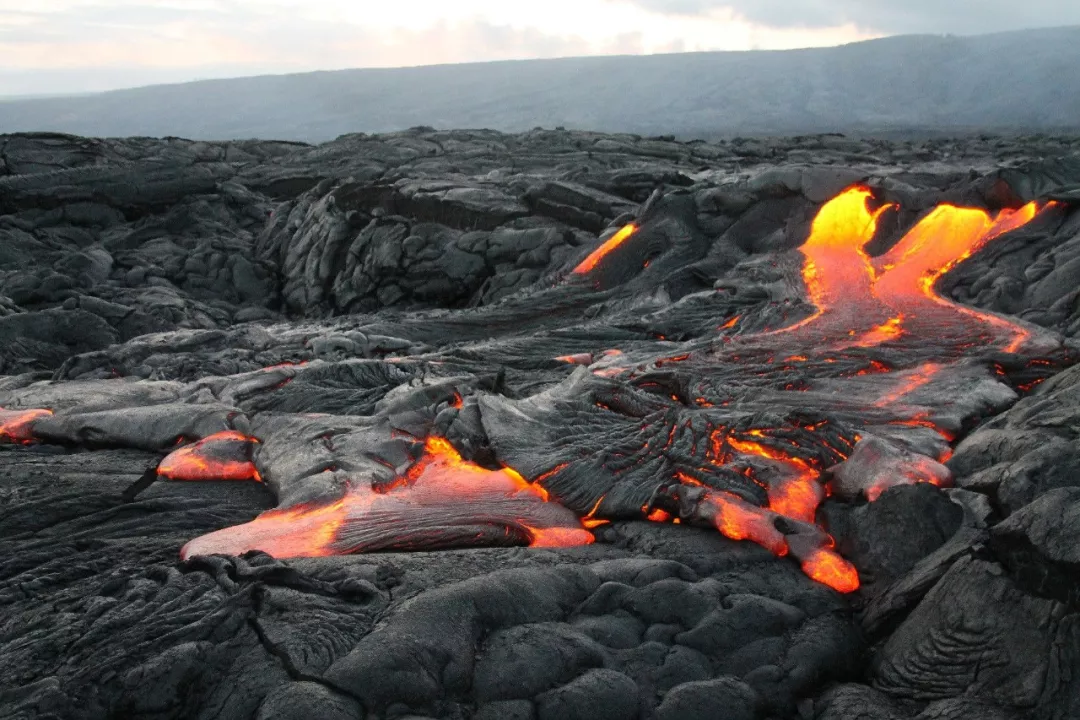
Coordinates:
589 264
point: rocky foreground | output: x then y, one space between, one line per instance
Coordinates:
627 353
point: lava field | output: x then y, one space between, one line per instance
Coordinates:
554 425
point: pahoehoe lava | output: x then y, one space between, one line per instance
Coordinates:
471 425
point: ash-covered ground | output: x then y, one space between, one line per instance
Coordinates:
551 425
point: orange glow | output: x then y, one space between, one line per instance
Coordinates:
891 329
559 537
553 471
873 301
285 364
859 302
915 380
797 496
590 520
836 269
827 567
687 479
221 456
610 244
441 486
739 520
17 426
578 359
939 242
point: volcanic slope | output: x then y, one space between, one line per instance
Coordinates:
559 424
1004 81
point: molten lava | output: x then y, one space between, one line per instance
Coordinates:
221 456
17 426
827 567
441 501
586 266
797 494
861 303
836 269
864 302
739 520
862 306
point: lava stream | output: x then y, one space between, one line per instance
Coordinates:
588 264
441 501
17 426
863 302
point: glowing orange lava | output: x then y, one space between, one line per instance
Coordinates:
836 269
889 330
17 426
578 359
910 382
826 566
587 265
441 493
797 495
948 235
861 302
875 301
739 520
221 456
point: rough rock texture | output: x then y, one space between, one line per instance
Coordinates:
362 320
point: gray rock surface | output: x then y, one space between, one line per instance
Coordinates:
338 306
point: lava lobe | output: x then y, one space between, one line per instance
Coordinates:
222 456
441 501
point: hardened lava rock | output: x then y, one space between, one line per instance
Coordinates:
459 424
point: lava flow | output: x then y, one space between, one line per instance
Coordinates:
221 456
17 426
836 269
442 501
861 303
864 302
867 364
586 266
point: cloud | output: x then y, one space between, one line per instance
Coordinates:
63 46
230 38
962 17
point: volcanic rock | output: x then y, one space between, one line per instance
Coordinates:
458 424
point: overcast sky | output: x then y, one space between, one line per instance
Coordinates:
63 46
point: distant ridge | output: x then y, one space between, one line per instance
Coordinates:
1023 80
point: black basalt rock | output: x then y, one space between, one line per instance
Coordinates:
486 462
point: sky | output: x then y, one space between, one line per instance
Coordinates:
73 46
